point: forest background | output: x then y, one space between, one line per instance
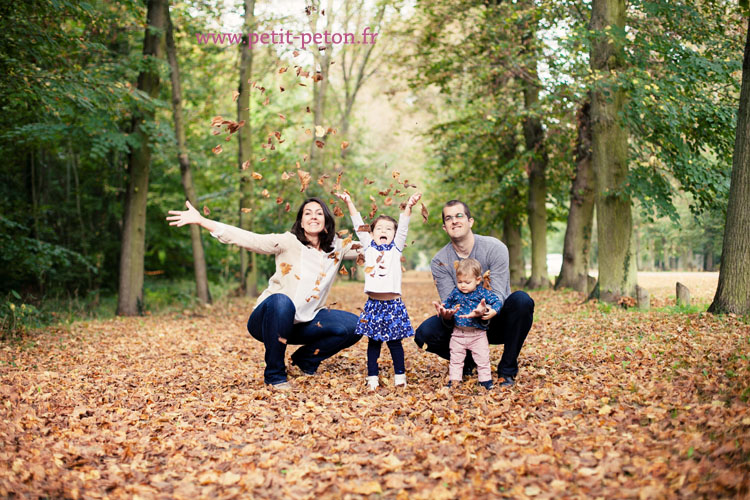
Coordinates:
106 126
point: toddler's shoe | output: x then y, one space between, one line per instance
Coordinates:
372 382
399 379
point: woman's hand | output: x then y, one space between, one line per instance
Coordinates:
190 216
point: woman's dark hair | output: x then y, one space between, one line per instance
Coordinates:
329 232
383 217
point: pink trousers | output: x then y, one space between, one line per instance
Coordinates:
475 341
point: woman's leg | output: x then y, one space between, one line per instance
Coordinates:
397 355
270 322
373 353
329 332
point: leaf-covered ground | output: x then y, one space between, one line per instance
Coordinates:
616 405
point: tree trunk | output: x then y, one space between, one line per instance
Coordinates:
248 262
617 265
533 133
320 88
199 258
577 244
733 292
512 239
130 299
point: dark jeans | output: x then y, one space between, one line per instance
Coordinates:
509 327
329 332
397 355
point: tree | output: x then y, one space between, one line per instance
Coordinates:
733 292
248 260
130 298
199 257
577 245
609 153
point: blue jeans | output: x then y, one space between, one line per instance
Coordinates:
329 332
510 327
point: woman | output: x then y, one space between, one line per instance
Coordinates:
292 309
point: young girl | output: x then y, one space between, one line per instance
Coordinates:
470 301
384 318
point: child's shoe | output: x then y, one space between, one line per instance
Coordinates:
399 379
372 382
487 384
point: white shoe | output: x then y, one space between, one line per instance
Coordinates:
372 381
399 379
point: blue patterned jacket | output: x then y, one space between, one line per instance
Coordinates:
467 302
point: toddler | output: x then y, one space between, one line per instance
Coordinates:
384 318
469 302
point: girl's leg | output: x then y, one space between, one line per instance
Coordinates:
373 353
458 353
397 355
480 349
271 321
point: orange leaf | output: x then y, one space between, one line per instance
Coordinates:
265 193
285 268
257 176
206 210
218 149
344 145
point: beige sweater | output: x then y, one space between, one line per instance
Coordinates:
303 274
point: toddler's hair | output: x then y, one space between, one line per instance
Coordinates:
469 267
383 217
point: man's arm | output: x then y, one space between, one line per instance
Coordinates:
497 262
444 276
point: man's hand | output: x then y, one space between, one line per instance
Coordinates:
482 311
443 312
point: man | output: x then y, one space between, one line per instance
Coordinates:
511 324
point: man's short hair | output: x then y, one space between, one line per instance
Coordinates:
452 203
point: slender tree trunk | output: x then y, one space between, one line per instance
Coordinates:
575 266
199 258
617 265
512 239
533 133
733 292
248 262
130 299
320 89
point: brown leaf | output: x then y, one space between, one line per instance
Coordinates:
424 212
344 145
218 149
257 176
206 210
285 268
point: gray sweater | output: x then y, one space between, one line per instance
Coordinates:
491 253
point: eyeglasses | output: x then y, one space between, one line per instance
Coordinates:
459 216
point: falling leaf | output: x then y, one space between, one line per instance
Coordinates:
343 271
285 268
307 109
395 174
486 280
282 116
235 95
388 201
369 269
320 144
337 211
319 131
283 70
279 200
281 88
287 207
384 193
268 100
245 165
265 193
206 210
216 121
246 210
424 212
295 53
304 179
216 132
308 131
344 145
257 176
455 265
368 181
218 149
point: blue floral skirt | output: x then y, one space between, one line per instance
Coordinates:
384 320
